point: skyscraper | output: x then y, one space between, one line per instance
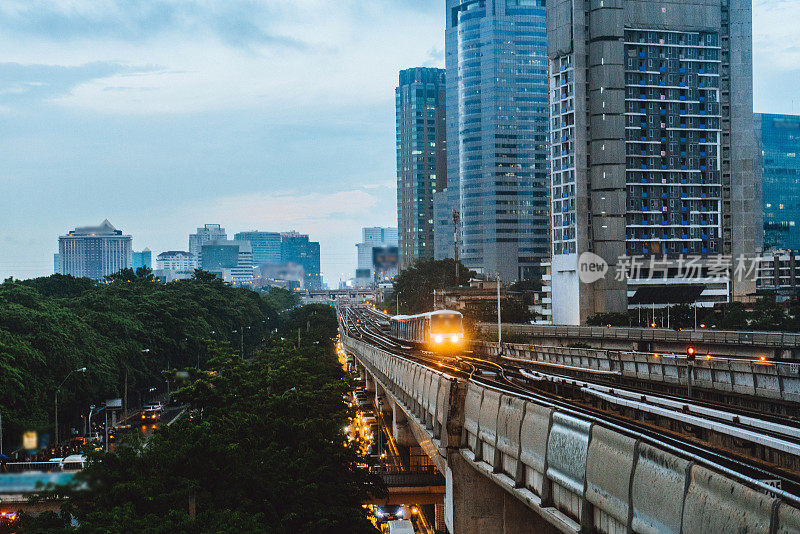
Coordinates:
298 249
497 134
266 246
94 251
652 145
209 232
421 158
780 154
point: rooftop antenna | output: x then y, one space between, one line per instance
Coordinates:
456 220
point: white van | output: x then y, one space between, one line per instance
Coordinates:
400 526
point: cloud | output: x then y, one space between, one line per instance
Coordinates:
22 84
241 23
776 55
390 184
303 57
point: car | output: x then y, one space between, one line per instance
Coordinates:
7 517
74 462
151 412
400 526
388 512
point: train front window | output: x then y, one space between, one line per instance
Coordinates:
445 324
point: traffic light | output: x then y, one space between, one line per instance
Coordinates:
690 354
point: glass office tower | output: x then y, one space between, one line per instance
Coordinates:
497 122
780 154
421 158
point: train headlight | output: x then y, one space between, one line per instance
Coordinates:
439 338
454 338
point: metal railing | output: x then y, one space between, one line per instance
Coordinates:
41 467
759 339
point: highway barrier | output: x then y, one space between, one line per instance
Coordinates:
760 379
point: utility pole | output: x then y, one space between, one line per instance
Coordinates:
81 370
499 319
125 396
456 220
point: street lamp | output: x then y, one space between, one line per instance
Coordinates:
81 370
241 331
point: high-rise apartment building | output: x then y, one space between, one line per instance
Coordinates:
652 146
298 249
780 155
497 121
206 234
266 246
94 251
421 158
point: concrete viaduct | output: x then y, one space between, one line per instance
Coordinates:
515 465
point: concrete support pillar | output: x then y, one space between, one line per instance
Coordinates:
476 505
369 383
401 429
382 400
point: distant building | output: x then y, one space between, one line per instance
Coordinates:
94 251
176 260
285 275
143 259
421 158
779 272
57 263
266 246
209 232
230 260
780 155
443 228
378 256
297 248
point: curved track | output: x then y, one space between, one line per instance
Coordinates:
514 379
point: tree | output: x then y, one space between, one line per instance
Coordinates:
261 450
414 285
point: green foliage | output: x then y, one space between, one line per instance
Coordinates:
281 299
51 326
414 285
261 449
513 310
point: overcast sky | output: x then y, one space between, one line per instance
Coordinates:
164 115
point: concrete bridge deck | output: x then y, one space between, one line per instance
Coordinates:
516 465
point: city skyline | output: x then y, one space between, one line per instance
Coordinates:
90 109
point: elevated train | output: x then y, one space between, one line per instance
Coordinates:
437 331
